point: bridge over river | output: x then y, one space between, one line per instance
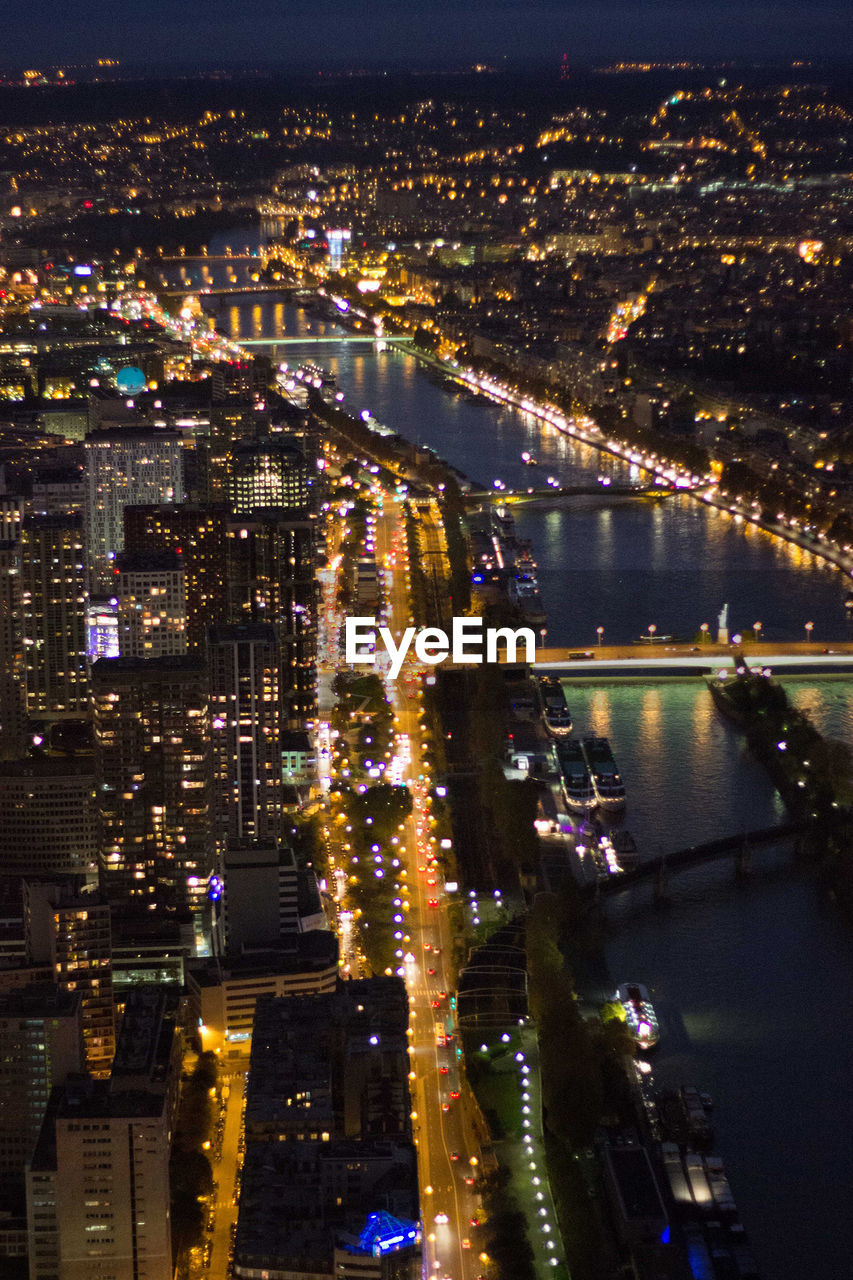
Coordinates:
661 657
661 868
553 493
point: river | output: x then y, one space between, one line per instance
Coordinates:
752 978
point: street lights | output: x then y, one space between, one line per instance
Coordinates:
809 630
756 630
599 631
704 629
652 630
543 633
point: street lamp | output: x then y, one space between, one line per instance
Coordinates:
600 633
704 629
652 630
543 633
756 630
809 630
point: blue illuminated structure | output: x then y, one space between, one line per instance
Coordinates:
385 1234
130 380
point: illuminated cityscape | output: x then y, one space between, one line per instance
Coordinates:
513 941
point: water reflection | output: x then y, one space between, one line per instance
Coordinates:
747 974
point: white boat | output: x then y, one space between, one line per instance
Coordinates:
555 712
578 790
640 1015
606 779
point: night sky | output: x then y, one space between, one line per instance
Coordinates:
299 33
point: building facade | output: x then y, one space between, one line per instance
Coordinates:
153 771
150 588
196 533
126 467
245 727
54 600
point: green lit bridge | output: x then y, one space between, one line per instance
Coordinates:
552 493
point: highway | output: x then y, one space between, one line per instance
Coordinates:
445 1114
448 1149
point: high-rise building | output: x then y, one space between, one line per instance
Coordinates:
54 600
41 1042
196 533
244 380
261 895
270 472
150 587
48 816
71 932
125 467
12 720
231 420
153 773
245 717
98 1180
271 557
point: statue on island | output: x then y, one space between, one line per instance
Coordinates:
723 625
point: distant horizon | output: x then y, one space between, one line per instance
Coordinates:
438 34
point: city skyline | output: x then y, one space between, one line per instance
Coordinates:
426 966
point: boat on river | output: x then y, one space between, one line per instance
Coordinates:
524 593
578 790
555 712
640 1015
606 779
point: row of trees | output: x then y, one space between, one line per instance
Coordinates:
190 1174
582 1076
813 774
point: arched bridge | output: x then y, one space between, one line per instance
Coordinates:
668 864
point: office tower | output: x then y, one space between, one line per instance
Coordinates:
197 534
152 767
71 931
271 558
231 421
150 587
126 467
261 895
245 719
41 1042
12 719
98 1180
48 816
268 473
54 600
244 380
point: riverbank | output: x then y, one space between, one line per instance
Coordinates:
554 417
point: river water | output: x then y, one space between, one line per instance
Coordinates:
752 978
